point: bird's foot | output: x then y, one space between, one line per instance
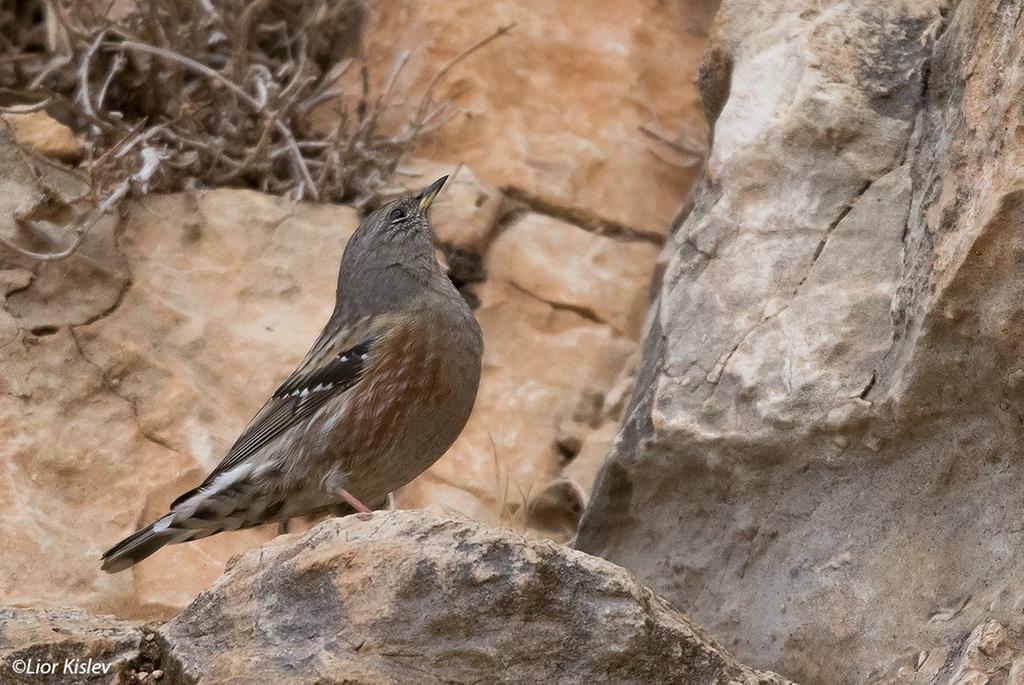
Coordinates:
364 513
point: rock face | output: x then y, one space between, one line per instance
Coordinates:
128 368
127 389
554 111
989 654
410 597
545 257
821 464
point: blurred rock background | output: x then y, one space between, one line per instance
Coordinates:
788 399
129 367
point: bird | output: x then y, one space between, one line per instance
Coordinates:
383 392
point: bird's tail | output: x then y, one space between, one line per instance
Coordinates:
140 545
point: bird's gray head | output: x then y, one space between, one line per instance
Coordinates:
391 253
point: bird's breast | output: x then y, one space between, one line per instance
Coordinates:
419 385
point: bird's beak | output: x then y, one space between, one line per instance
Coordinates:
430 192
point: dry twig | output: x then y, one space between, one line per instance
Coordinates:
690 153
222 90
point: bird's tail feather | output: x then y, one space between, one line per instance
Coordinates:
139 545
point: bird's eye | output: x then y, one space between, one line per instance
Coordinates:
397 214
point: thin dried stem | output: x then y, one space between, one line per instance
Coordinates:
282 128
116 66
84 99
680 145
26 109
428 94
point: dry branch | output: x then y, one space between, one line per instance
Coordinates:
689 152
220 91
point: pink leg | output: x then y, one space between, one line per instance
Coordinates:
364 511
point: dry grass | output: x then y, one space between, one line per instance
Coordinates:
179 94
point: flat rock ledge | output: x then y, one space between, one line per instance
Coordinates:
405 597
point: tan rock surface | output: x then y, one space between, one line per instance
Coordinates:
555 108
989 654
188 315
129 368
113 413
598 276
42 133
410 597
822 462
36 639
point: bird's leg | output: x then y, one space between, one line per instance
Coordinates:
364 513
282 527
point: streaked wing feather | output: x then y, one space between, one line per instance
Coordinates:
318 379
338 369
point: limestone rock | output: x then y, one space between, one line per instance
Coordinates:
79 647
410 597
42 133
555 108
989 654
594 446
116 405
130 367
600 277
821 462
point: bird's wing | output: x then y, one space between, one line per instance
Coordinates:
333 365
